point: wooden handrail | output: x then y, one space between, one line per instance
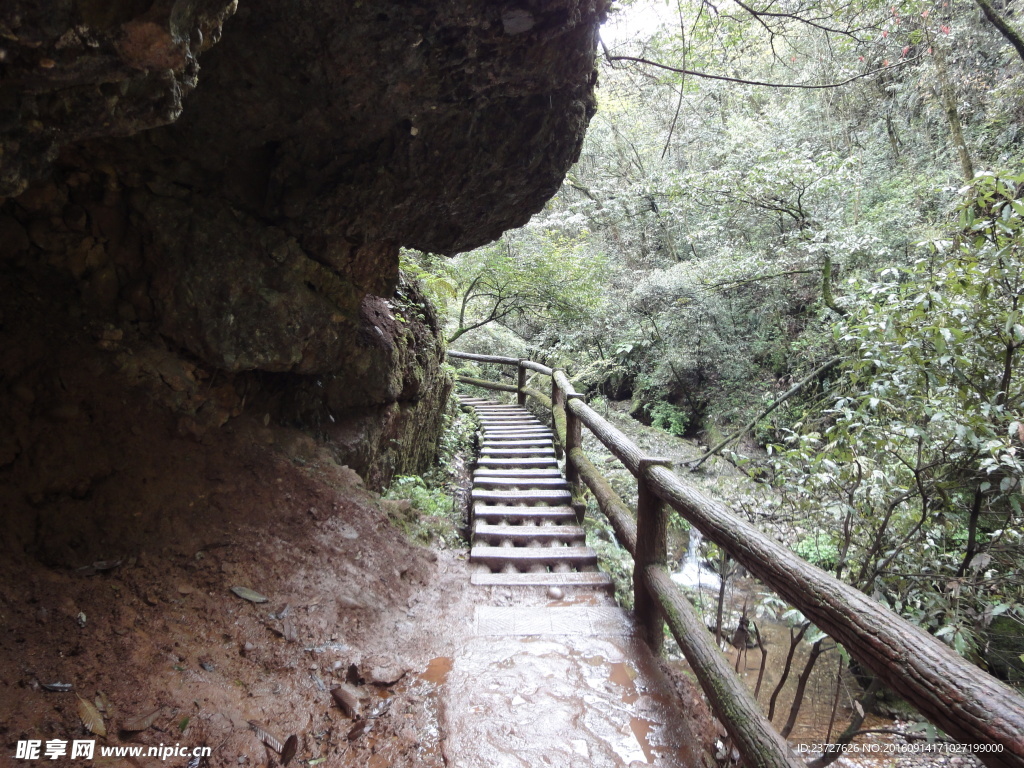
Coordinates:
970 705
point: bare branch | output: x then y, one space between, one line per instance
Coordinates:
743 81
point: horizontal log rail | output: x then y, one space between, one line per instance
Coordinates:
967 703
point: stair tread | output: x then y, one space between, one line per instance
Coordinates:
480 494
523 472
532 442
515 512
529 531
574 579
524 482
577 555
504 464
510 421
525 452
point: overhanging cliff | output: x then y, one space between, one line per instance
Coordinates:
303 142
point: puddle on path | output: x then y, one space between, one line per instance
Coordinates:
641 730
623 674
437 670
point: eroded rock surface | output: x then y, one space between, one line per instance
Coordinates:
76 70
257 234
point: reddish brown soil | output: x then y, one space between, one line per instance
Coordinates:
136 490
119 453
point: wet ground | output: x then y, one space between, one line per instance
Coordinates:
562 683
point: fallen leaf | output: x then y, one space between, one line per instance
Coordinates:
271 741
359 729
141 723
91 717
347 700
102 703
247 594
288 629
291 745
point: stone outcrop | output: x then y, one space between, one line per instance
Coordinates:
76 70
304 141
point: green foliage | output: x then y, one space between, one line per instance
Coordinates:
424 507
428 516
669 417
526 280
615 561
819 548
924 438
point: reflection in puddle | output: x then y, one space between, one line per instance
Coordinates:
641 730
437 670
623 674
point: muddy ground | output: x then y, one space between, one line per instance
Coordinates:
137 491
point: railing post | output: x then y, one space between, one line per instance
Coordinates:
651 549
573 439
521 385
557 406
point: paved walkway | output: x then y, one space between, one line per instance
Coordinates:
554 674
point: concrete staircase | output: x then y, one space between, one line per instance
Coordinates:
525 530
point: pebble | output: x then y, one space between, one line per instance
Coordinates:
555 593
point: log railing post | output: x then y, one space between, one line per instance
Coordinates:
651 549
521 385
573 439
558 413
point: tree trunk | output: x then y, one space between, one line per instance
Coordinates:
1004 28
956 132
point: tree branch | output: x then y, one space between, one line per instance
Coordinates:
744 281
742 81
779 401
1005 29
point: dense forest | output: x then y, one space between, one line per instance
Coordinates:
796 234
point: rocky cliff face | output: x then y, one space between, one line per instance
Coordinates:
255 235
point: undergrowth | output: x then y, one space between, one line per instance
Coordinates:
426 508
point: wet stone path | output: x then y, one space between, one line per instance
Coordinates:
554 672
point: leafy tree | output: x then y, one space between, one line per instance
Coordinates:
524 281
920 464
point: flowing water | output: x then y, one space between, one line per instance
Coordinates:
693 572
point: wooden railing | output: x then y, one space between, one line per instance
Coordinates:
971 706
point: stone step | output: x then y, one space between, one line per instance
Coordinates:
515 450
523 432
505 426
522 483
523 463
497 558
552 497
515 440
513 425
488 533
495 513
551 471
592 580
